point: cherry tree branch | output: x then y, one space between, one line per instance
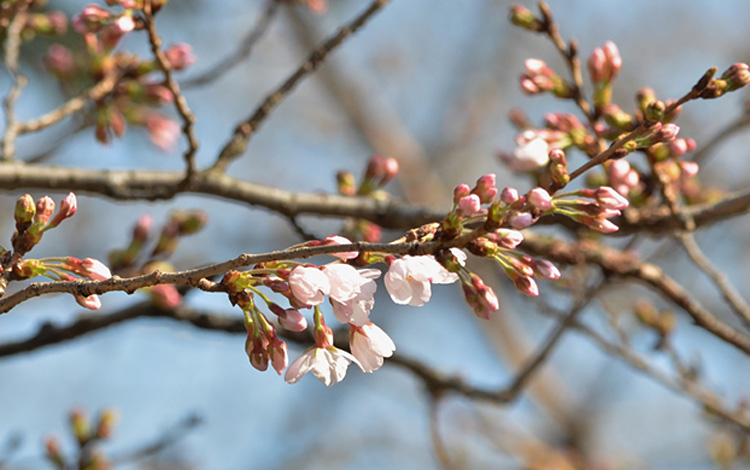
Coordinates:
628 265
245 130
19 80
198 277
148 185
188 118
721 280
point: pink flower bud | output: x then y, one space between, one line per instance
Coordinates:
543 269
469 205
59 60
521 220
165 296
737 76
506 238
45 207
540 199
68 208
391 169
461 191
162 131
485 188
95 269
92 302
689 169
608 198
291 319
509 195
180 56
277 352
526 285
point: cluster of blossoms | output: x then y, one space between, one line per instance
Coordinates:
148 252
33 219
136 92
349 284
665 173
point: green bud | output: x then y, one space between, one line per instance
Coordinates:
25 212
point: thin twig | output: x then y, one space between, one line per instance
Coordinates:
241 53
19 80
188 118
245 130
707 398
733 298
628 265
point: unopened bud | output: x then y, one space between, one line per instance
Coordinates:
736 76
655 110
25 212
523 17
347 185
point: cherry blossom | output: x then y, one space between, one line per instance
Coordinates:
357 309
309 285
327 364
408 278
370 344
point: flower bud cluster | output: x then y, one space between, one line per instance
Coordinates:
33 219
88 436
606 203
146 252
350 292
539 78
136 92
380 170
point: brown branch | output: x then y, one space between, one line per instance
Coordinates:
73 105
188 118
245 130
628 265
198 277
733 298
241 53
155 185
10 57
707 398
439 382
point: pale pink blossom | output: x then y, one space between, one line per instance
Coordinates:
370 344
309 285
357 309
345 281
408 278
529 156
485 188
327 365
